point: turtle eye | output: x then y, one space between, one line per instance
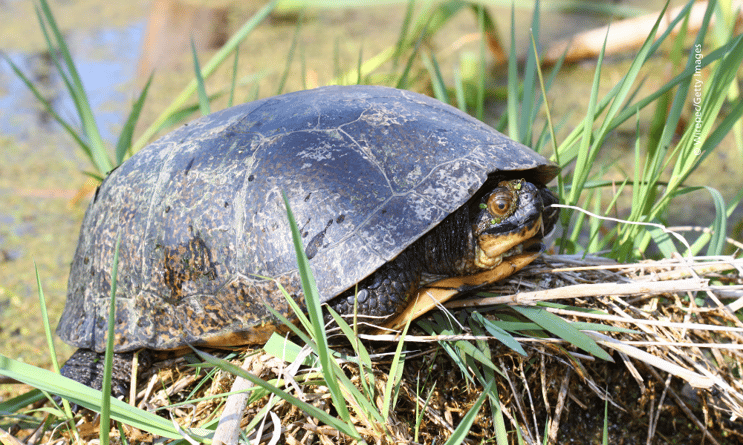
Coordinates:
500 203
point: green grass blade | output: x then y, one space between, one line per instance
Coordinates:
718 134
605 431
487 375
663 241
421 411
440 91
657 152
204 106
50 338
584 162
312 410
363 354
661 116
285 349
395 375
632 109
625 85
108 364
679 79
19 402
403 36
499 333
543 88
719 225
585 156
431 22
49 109
299 314
90 128
459 89
45 320
461 433
363 359
514 326
180 115
309 286
124 142
501 430
304 321
724 77
636 190
363 400
687 155
459 348
546 87
402 81
367 67
89 398
427 24
437 327
680 99
562 329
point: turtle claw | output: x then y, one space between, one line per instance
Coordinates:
87 367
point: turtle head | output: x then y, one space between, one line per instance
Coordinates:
511 219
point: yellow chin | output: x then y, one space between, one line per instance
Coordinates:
492 248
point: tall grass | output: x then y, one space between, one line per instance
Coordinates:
580 184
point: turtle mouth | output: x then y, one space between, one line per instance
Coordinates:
492 248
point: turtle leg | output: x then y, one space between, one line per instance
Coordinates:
86 366
388 291
383 294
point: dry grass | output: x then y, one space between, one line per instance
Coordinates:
675 377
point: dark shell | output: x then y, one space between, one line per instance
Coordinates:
367 170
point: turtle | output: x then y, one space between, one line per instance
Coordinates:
401 201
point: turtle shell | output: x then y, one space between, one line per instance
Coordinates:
204 231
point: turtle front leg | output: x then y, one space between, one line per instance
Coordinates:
87 366
382 295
